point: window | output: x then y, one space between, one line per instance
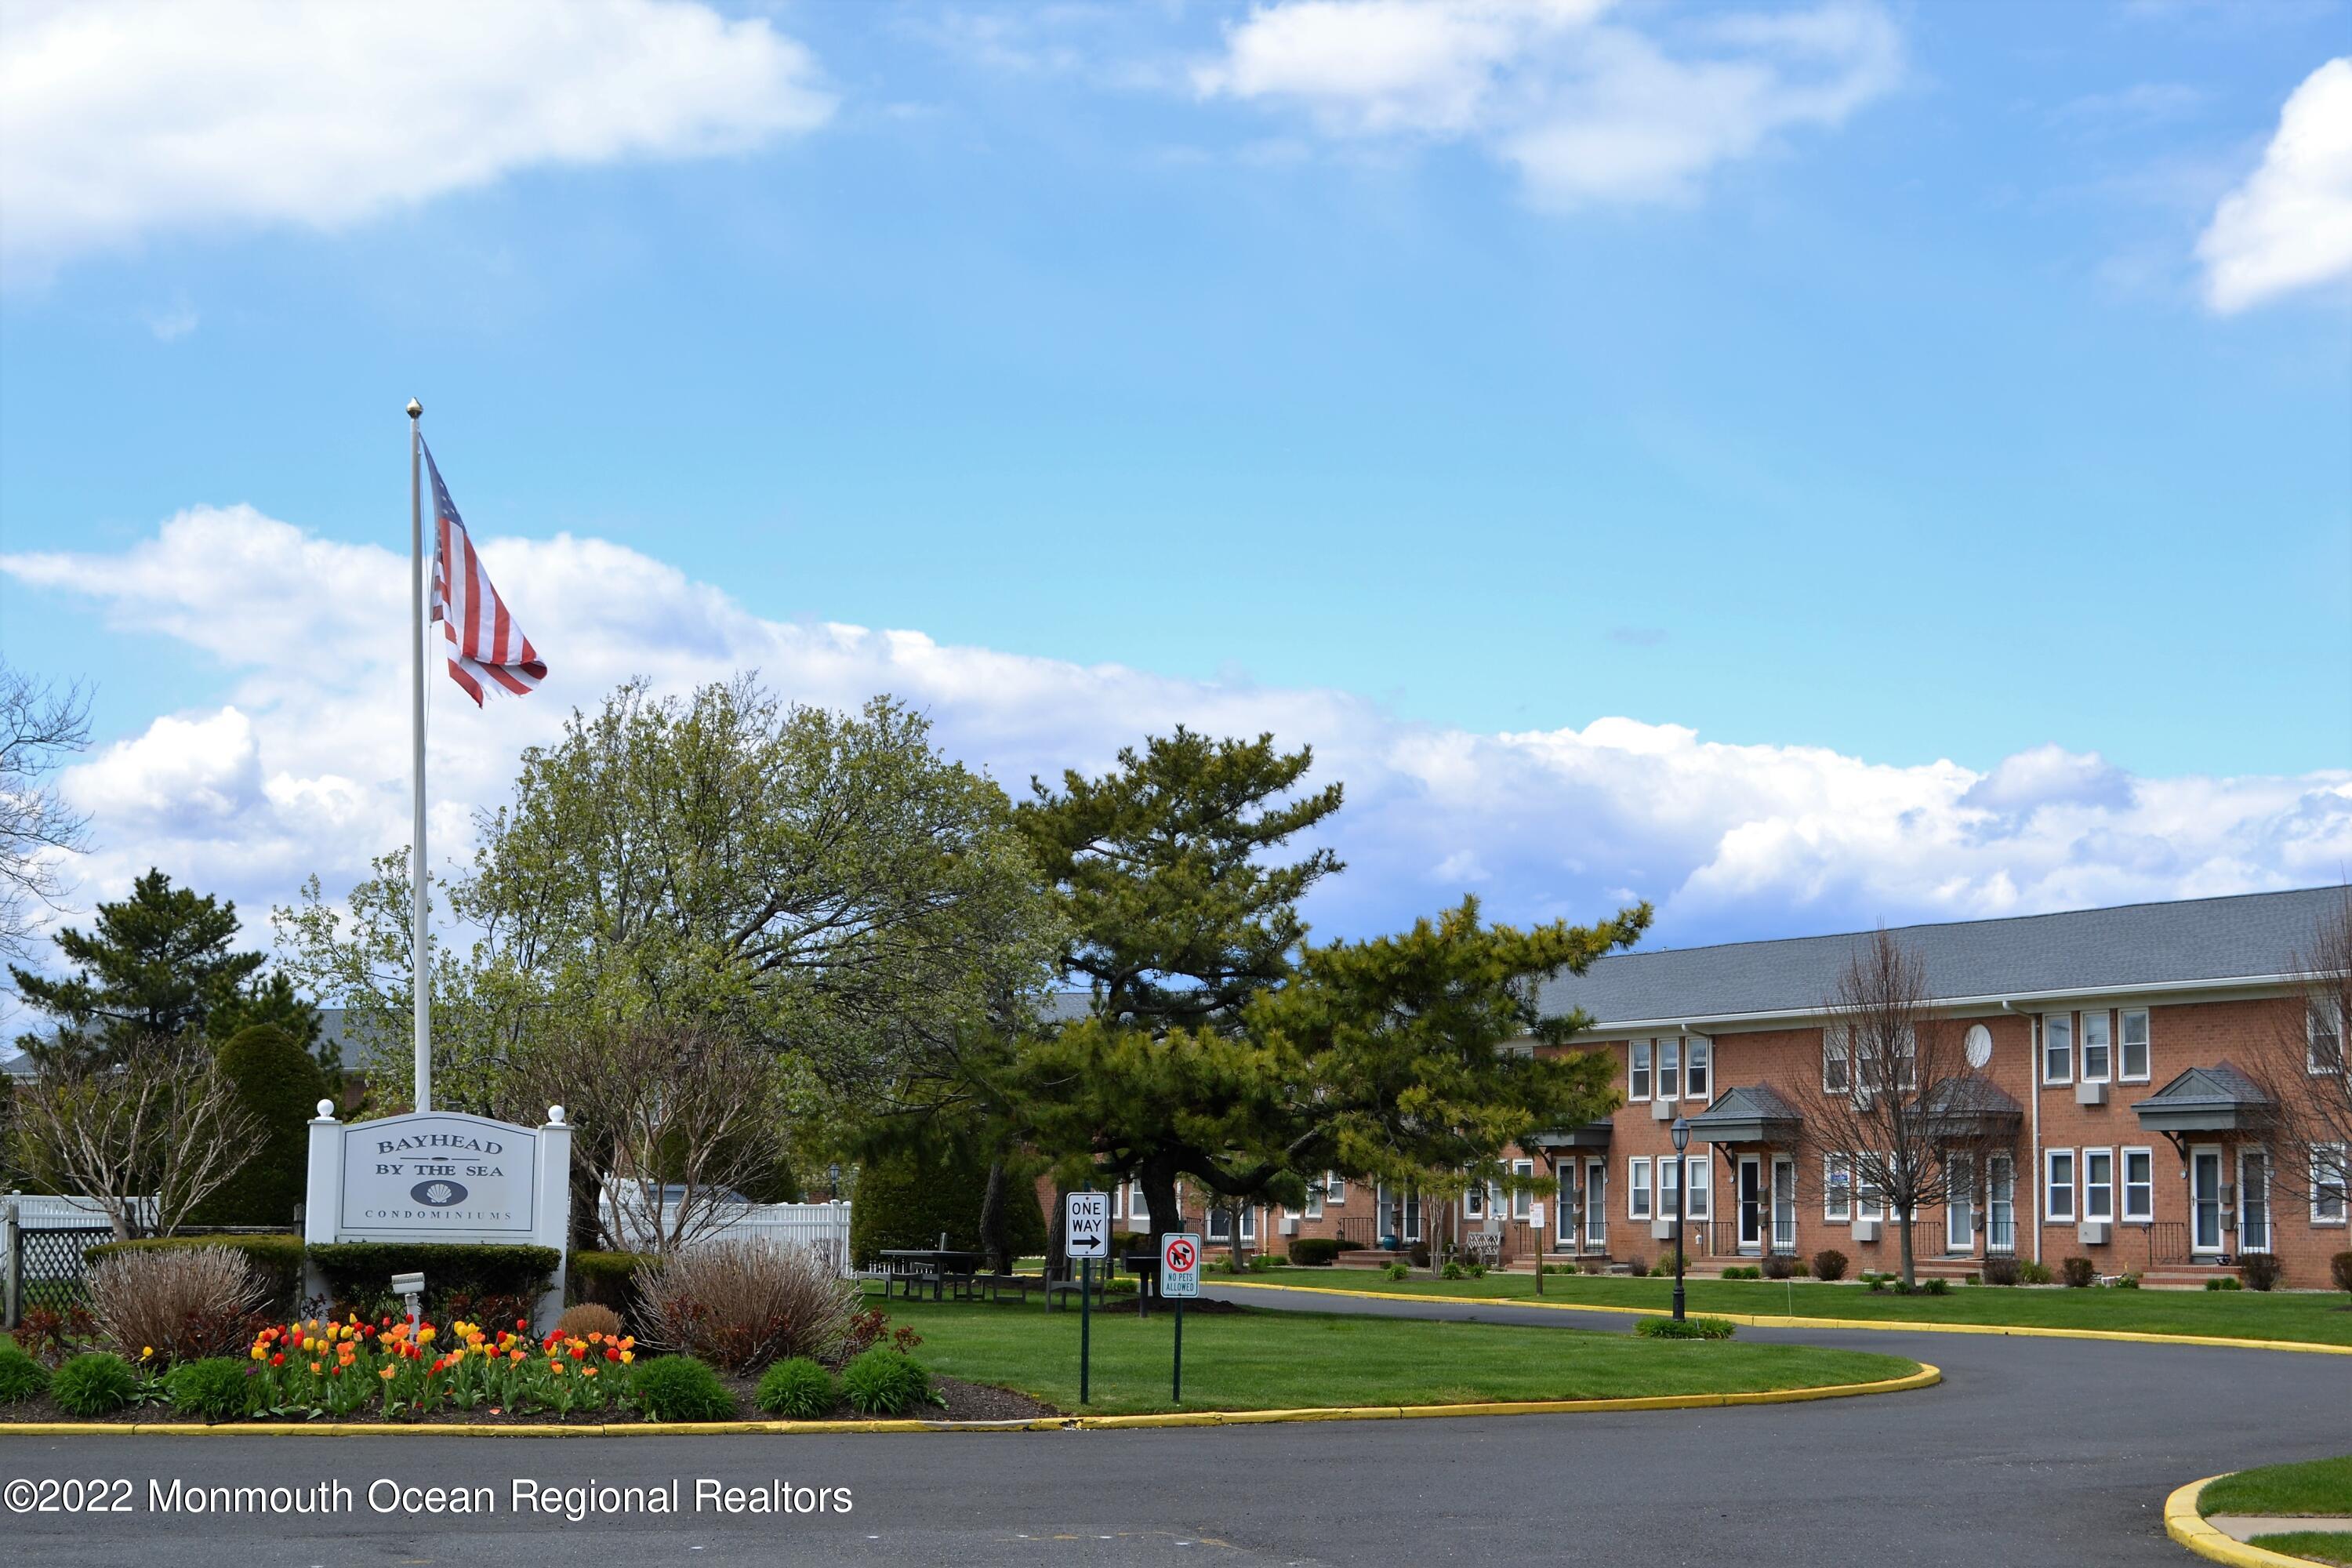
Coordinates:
1670 1069
1335 1188
2331 1173
1640 1072
1698 1074
1869 1202
2098 1056
1249 1222
1139 1213
1473 1202
1907 1059
1564 1209
1702 1182
1314 1201
2058 1185
2135 1045
1837 1188
2098 1184
2058 1048
1837 1062
1523 1199
2324 1027
1670 1185
1221 1225
1637 1189
2139 1183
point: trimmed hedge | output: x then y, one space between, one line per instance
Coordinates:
278 1081
904 1201
1684 1328
606 1279
277 1259
1315 1251
487 1280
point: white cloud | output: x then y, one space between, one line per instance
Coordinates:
120 119
1586 109
2289 226
304 767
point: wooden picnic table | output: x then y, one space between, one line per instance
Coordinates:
936 1265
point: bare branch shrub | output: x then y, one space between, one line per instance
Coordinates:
2305 1069
185 1304
40 727
743 1304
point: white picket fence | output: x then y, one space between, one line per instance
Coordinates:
823 1227
36 1212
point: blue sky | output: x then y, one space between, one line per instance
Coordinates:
1880 397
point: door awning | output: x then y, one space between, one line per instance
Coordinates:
2217 1098
1970 1109
1750 1114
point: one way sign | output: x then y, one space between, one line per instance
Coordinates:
1085 1225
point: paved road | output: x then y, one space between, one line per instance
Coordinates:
2034 1451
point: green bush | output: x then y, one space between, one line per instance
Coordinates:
2224 1282
492 1282
1397 1271
1829 1263
276 1259
2339 1268
2127 1282
1264 1263
1999 1270
21 1377
1315 1251
904 1201
2030 1272
215 1389
1684 1328
798 1389
605 1279
1741 1271
1125 1284
1877 1282
278 1081
885 1382
2080 1273
1453 1270
679 1388
1939 1286
98 1384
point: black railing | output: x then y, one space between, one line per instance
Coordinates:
2168 1243
49 1266
1355 1233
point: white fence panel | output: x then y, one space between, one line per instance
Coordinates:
823 1228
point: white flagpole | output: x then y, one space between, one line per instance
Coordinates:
421 976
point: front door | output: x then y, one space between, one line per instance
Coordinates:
1596 1205
1751 1204
2001 1203
1960 1205
1784 1205
2253 1202
2205 1200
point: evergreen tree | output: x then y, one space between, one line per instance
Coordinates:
278 1082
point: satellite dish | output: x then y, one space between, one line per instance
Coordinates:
1980 1044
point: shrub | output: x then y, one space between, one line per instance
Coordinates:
1478 1269
1742 1271
1684 1329
2261 1270
2031 1272
1829 1263
1778 1268
1595 1266
2339 1268
1264 1263
482 1281
21 1377
183 1304
798 1389
1125 1285
277 1260
1315 1251
743 1304
2224 1282
1418 1254
588 1318
1664 1269
1999 1270
2080 1273
1802 1269
886 1382
214 1389
1877 1282
1453 1271
1397 1271
2127 1282
1938 1286
45 1333
606 1279
98 1383
902 1200
279 1083
679 1388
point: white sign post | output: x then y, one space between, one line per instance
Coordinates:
1085 1236
1180 1281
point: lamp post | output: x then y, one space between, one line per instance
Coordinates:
1682 1180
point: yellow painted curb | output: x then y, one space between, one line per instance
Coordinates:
2185 1524
1926 1377
1760 1320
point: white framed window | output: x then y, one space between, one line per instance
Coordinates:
2098 1048
2324 1031
2099 1183
1523 1198
1473 1202
1869 1202
2134 1041
1249 1222
1670 1069
1701 1187
1564 1207
1698 1073
1638 1074
2058 1185
2331 1175
1837 1061
1637 1188
2058 1048
1313 1202
1335 1189
1837 1188
1670 1183
1139 1213
2139 1185
1219 1226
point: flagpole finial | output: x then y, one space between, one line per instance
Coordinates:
414 408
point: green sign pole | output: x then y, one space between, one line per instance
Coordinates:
1086 1316
1176 1393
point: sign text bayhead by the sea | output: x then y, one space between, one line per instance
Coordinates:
439 1175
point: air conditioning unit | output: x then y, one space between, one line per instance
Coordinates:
1661 1111
2090 1094
1290 1225
1865 1230
1662 1230
2092 1232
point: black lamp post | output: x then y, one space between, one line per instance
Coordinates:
1682 1175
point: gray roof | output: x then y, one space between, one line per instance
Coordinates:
1751 1113
17 1064
2249 936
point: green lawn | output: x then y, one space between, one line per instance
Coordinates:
2319 1545
2318 1486
2238 1314
1272 1361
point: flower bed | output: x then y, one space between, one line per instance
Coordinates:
338 1369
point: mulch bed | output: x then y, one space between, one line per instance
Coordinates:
965 1401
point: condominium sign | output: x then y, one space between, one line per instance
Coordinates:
441 1177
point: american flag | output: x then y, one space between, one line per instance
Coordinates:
484 644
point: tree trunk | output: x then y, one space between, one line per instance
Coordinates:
1159 1197
1057 1257
1903 1223
991 1221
